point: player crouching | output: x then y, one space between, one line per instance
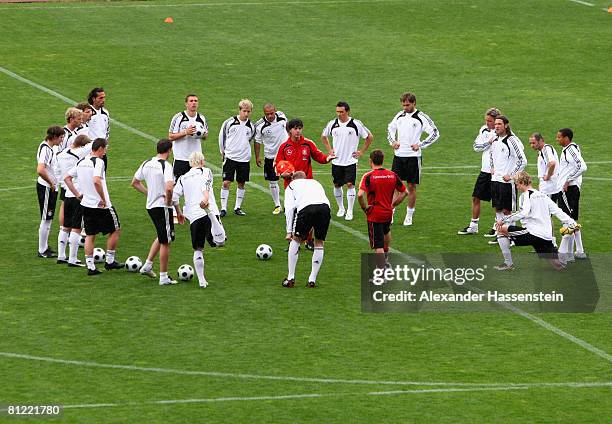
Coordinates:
306 206
535 212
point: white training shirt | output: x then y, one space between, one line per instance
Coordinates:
192 186
345 137
547 155
571 166
271 134
535 212
304 192
99 124
69 136
66 160
85 171
481 144
507 157
235 137
185 146
156 173
407 129
46 156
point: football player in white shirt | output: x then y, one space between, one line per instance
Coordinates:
200 209
72 223
86 117
345 132
270 131
99 124
187 130
507 158
404 135
99 215
46 187
535 212
548 161
482 187
307 207
157 174
571 168
234 144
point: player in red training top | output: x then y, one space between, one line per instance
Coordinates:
299 150
384 190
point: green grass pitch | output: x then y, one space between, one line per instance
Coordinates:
245 349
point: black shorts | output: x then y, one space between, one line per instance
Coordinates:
47 199
344 174
200 231
164 224
408 169
312 216
522 237
482 188
241 169
180 167
555 197
503 195
62 194
569 201
97 220
269 171
73 213
377 232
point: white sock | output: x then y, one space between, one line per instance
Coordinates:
239 197
339 195
275 192
566 248
74 247
43 235
163 276
148 265
198 265
578 239
89 260
110 256
317 261
350 198
474 222
410 211
292 258
224 197
504 245
62 241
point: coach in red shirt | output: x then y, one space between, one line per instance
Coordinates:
384 190
299 150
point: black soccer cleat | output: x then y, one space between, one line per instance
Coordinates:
62 261
47 254
76 265
289 283
93 271
114 265
239 212
311 285
491 233
222 213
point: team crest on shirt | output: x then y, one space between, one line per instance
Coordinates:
305 152
289 152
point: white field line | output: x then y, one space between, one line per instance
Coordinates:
357 234
582 2
240 376
218 4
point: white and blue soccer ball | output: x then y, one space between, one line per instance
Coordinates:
133 263
82 240
185 272
263 252
199 130
99 255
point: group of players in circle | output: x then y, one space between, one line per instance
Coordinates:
72 164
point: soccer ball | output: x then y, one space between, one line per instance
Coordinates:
133 263
99 255
82 241
263 252
199 129
185 272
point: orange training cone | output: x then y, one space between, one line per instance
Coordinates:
169 20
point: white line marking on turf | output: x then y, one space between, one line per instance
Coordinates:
524 314
582 2
292 378
222 4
